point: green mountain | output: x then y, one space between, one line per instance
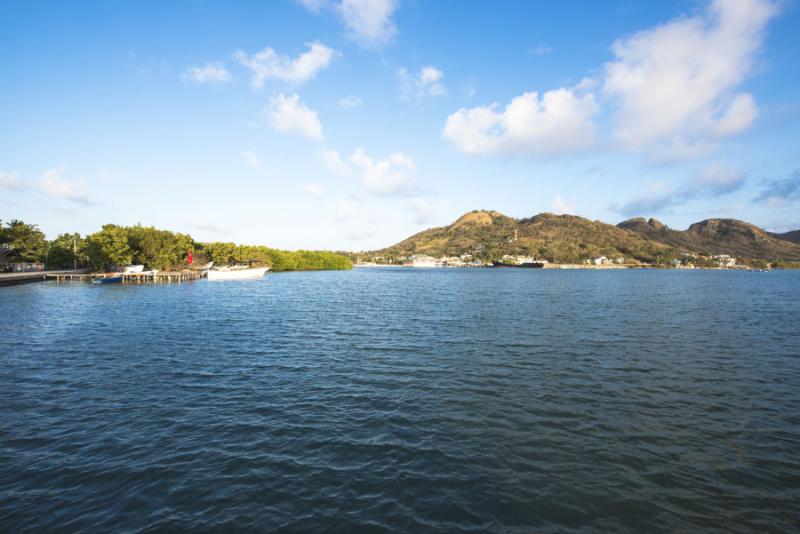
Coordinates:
793 236
572 239
717 236
561 238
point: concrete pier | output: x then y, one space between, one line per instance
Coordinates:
10 279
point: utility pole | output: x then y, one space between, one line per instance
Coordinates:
74 253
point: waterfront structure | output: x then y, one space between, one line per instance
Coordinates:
725 260
420 260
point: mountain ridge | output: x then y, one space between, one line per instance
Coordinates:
574 239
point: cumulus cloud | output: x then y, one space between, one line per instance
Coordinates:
314 190
368 22
288 114
9 180
334 163
426 82
350 101
675 85
251 158
714 181
315 6
269 65
781 191
53 183
389 176
556 122
212 72
559 206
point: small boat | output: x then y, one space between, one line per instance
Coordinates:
237 272
133 269
106 279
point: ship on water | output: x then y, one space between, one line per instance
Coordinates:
519 262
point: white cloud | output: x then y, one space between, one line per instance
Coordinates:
9 180
426 212
268 65
676 84
314 190
350 101
334 162
560 206
469 89
427 82
558 122
714 181
369 21
781 191
739 115
251 158
315 6
384 177
212 72
52 183
288 114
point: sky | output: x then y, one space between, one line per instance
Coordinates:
352 124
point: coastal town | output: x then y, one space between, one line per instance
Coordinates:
686 261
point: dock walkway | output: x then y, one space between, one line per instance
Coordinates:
10 279
160 277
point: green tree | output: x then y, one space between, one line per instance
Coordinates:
26 239
109 247
66 251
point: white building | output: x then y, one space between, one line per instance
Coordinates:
421 260
725 260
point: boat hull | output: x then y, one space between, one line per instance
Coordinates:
108 280
526 265
238 274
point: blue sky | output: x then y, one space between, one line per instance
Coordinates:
351 124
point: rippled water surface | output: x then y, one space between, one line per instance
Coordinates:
413 400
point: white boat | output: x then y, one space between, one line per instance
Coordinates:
133 269
237 272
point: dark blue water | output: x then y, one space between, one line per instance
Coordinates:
408 400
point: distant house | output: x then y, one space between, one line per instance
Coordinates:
725 260
420 260
602 260
11 261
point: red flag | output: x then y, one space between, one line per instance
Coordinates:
189 258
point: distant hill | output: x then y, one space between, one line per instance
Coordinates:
572 239
717 236
563 238
793 236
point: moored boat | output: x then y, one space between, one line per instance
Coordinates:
107 279
133 269
237 272
521 265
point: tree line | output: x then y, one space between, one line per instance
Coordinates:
114 245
